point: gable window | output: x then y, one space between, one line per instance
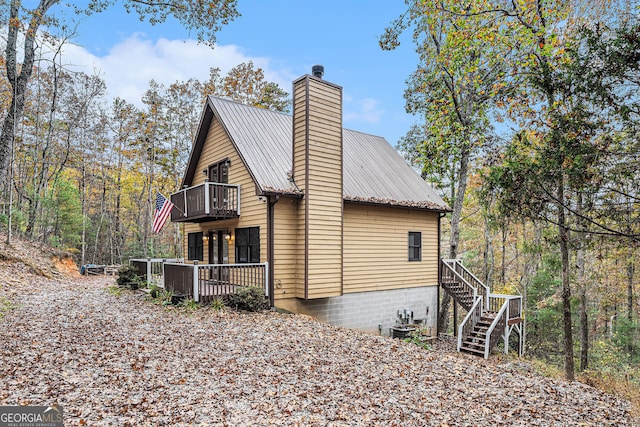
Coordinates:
415 246
195 247
248 245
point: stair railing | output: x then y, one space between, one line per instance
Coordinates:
470 320
449 272
469 277
497 328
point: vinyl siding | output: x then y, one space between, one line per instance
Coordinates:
300 177
317 167
376 254
253 213
288 248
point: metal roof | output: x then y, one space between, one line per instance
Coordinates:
373 171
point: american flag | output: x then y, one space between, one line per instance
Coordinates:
163 209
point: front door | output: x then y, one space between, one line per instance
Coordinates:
218 254
218 247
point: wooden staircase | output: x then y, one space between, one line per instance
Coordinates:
475 342
490 316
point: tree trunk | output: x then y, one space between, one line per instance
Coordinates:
17 81
566 282
630 274
443 320
581 241
584 321
488 251
584 329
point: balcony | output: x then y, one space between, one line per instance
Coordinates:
209 201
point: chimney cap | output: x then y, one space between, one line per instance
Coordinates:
317 71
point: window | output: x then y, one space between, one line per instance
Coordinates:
248 245
195 246
415 246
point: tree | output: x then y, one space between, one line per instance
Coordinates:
522 47
206 18
450 90
246 84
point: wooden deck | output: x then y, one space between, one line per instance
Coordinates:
213 280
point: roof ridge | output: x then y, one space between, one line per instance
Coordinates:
233 101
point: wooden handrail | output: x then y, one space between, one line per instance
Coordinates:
462 272
470 320
499 323
469 289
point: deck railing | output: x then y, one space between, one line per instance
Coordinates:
205 282
209 200
508 309
150 269
496 301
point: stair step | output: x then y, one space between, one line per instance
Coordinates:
475 340
472 350
476 337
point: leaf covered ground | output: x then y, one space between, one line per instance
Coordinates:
120 360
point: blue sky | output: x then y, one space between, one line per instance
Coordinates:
284 37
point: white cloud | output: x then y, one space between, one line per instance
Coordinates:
366 110
128 66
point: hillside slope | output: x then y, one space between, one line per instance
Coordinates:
23 260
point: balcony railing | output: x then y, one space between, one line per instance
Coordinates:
209 201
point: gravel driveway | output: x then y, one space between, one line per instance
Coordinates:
123 361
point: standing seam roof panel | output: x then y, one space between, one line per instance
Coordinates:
373 171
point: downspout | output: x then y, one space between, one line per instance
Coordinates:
440 216
272 200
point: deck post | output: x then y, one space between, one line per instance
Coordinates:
196 282
238 200
148 271
507 332
184 194
266 278
206 198
164 275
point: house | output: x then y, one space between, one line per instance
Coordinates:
334 222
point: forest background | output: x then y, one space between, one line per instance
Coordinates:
549 210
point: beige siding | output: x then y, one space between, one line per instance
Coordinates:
253 213
299 175
324 190
376 254
288 248
317 170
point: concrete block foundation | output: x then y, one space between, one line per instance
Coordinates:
374 311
